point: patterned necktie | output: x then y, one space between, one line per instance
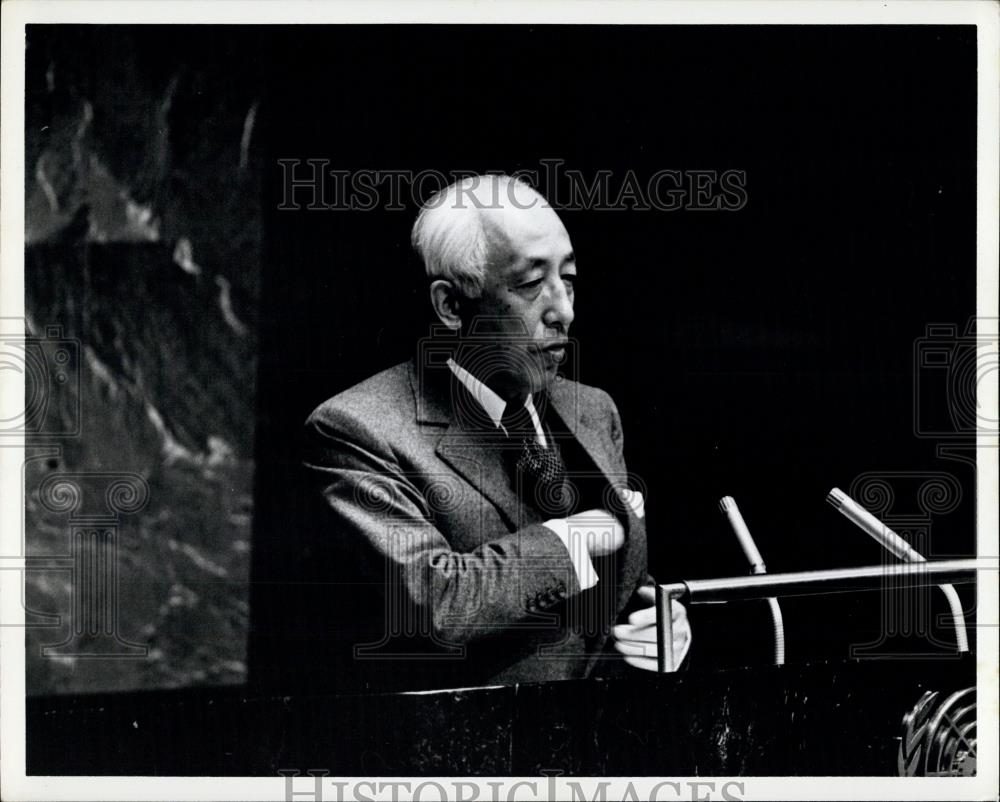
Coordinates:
540 470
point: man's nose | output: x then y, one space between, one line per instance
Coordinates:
559 313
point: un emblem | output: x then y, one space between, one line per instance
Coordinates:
939 740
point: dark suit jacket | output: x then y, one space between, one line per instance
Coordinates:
445 578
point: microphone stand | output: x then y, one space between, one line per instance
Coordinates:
727 504
800 583
894 544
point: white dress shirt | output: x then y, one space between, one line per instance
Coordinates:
495 406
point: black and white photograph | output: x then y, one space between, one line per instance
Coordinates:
486 401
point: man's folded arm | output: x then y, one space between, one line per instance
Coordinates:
383 519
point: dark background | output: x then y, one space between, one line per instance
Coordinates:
766 353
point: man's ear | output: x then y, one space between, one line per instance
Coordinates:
446 301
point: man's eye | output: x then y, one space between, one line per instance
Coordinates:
529 285
570 278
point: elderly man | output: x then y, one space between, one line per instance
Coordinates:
480 499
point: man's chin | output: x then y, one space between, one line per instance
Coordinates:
530 385
545 380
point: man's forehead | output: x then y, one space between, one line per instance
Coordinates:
519 226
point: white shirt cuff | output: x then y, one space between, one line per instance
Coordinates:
578 554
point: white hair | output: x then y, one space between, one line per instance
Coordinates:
453 237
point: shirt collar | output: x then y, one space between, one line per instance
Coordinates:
487 398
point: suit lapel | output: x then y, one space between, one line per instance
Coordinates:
565 403
589 439
475 453
480 462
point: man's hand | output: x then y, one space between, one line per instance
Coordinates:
602 532
636 640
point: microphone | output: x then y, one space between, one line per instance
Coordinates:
867 522
728 506
894 544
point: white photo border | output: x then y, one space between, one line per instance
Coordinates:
15 785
